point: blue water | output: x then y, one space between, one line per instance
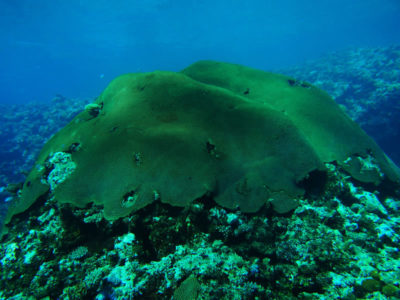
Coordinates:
76 47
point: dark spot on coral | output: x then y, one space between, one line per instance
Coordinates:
129 199
74 147
94 109
210 147
114 129
246 92
293 82
138 158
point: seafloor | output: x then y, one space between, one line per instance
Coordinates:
340 243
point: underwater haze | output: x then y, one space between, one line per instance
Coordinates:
75 48
196 150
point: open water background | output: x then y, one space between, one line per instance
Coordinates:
76 47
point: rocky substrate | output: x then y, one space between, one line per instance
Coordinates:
366 82
341 242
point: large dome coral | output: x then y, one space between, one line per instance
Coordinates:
243 136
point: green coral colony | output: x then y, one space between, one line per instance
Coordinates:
206 184
241 134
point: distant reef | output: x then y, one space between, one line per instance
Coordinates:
216 182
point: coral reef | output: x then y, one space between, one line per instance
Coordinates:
340 242
343 242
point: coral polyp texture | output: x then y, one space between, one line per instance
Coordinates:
245 136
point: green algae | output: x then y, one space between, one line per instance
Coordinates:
188 289
371 285
390 290
245 136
